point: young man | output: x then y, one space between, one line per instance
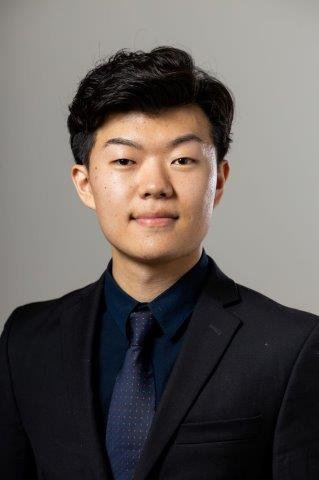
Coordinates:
164 368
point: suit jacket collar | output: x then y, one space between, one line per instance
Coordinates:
209 333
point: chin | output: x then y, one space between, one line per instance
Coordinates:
152 254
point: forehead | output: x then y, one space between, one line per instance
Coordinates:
157 129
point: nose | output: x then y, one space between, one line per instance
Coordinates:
154 180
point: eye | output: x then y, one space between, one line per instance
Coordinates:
184 158
122 160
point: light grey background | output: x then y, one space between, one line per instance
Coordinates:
264 233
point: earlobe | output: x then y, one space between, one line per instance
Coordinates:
80 178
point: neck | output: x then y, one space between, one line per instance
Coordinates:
145 281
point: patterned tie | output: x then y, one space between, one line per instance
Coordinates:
132 404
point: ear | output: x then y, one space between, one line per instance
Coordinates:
81 180
222 175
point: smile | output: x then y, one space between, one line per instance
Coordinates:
155 222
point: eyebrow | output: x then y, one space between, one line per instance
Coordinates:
188 137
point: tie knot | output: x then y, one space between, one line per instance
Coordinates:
142 325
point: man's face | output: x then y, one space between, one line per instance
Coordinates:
155 175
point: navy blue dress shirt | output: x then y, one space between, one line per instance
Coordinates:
172 310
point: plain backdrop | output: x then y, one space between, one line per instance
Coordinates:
264 233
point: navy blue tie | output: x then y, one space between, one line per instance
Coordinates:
132 404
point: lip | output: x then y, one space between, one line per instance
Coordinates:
155 221
160 214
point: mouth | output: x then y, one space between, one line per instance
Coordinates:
155 222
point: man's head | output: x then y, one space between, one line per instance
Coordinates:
149 133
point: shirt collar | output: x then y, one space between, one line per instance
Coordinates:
170 307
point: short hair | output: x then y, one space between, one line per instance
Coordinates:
148 82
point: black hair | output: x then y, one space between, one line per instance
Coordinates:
148 82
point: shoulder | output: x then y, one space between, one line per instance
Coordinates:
261 302
34 313
267 315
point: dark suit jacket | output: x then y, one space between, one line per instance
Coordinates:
242 401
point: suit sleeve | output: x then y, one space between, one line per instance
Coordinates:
296 441
16 456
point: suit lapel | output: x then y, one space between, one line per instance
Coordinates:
78 328
209 333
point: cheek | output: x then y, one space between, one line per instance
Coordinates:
198 195
110 195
